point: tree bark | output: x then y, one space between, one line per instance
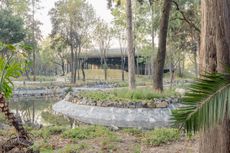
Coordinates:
160 59
23 138
105 69
214 57
131 54
82 70
122 68
72 64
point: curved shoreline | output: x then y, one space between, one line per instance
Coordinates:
144 118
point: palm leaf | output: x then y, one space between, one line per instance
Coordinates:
205 104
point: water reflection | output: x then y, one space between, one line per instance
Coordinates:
35 111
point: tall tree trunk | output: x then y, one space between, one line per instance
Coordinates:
171 72
105 67
160 59
131 54
214 57
75 66
78 69
122 61
72 64
122 68
82 70
63 67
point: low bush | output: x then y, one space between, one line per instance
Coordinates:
126 95
133 131
161 136
48 131
71 148
88 132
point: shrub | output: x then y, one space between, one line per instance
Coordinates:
88 132
125 95
71 148
48 131
133 131
161 136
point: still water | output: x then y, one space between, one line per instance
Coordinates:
35 110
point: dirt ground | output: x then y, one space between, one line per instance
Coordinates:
125 144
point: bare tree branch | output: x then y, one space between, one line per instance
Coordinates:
185 18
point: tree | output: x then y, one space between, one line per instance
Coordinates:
130 48
11 68
103 39
59 46
119 24
34 42
11 27
130 45
207 104
26 9
160 59
73 21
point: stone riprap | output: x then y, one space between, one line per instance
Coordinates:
143 118
155 103
54 91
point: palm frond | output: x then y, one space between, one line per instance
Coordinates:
205 104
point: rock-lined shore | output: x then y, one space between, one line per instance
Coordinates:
144 118
155 103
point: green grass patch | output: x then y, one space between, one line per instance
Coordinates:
88 132
161 136
133 131
43 147
48 131
71 148
126 95
3 118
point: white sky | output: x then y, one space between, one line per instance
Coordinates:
100 7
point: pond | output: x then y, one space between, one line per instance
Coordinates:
37 111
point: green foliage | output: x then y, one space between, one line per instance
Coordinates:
3 119
126 95
43 147
11 66
11 27
68 90
133 131
8 70
48 131
206 103
88 132
161 136
70 148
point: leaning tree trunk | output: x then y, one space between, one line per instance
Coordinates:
214 57
160 59
23 138
131 54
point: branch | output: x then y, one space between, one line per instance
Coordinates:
56 63
184 17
